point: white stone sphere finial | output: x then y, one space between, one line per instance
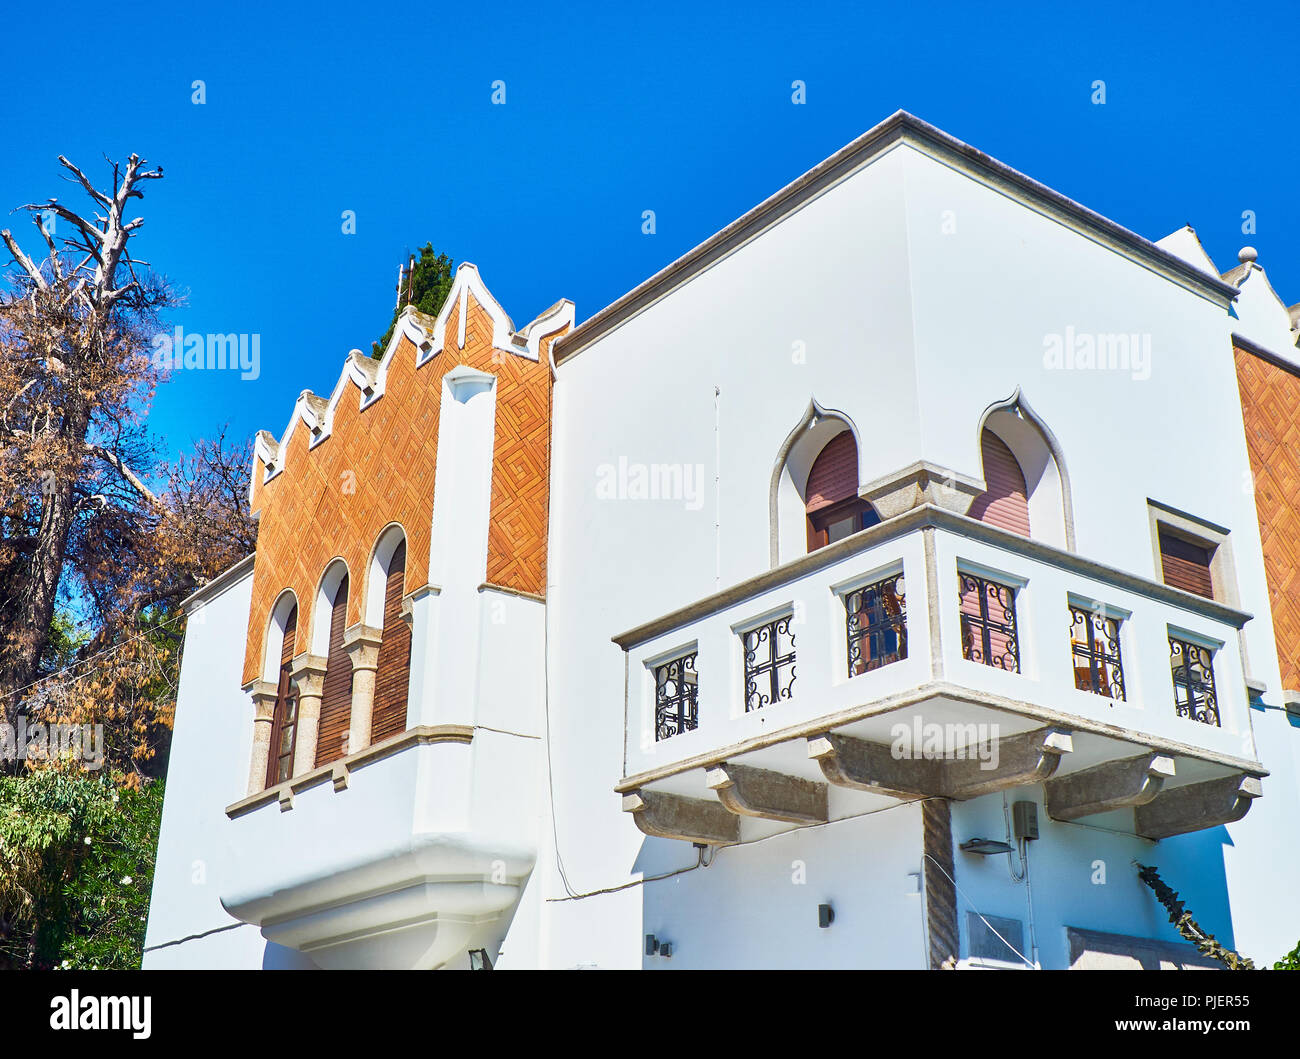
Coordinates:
1247 254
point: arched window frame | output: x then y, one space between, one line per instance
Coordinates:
282 643
846 514
328 622
1042 462
787 506
392 676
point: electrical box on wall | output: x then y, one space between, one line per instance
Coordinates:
1024 819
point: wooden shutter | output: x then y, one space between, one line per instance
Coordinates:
336 699
834 474
1005 503
283 716
394 670
1186 565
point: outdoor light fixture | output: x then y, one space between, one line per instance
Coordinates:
655 947
825 915
985 847
651 945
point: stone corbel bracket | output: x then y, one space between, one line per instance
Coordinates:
1020 760
872 767
661 815
1114 785
749 791
1197 806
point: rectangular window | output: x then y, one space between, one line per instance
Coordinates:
1094 646
1192 667
988 622
286 728
876 624
1185 564
769 663
676 697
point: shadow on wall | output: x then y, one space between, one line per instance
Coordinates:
1195 866
281 958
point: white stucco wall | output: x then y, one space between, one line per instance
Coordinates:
207 770
911 326
909 298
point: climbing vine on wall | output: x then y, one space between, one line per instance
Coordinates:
1183 922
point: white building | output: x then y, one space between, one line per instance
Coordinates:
912 508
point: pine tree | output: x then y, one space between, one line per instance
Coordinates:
426 289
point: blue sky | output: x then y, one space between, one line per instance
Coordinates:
610 110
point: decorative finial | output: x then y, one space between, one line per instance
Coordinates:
1247 255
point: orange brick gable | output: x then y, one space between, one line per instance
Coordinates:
1270 394
376 467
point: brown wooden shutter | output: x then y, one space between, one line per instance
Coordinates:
394 670
1186 565
1005 503
283 716
834 474
336 699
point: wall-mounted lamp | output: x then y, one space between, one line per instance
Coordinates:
985 847
655 947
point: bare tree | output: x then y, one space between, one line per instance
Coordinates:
75 379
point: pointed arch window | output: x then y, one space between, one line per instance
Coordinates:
835 510
1005 503
394 669
336 698
284 720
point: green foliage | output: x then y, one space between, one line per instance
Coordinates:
429 288
1289 962
64 643
76 868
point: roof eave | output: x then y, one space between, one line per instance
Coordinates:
897 127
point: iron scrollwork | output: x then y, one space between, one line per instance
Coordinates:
676 697
988 623
769 663
1095 648
876 625
1192 667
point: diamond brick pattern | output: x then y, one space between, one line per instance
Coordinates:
1270 396
377 467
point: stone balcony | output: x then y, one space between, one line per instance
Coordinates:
867 673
